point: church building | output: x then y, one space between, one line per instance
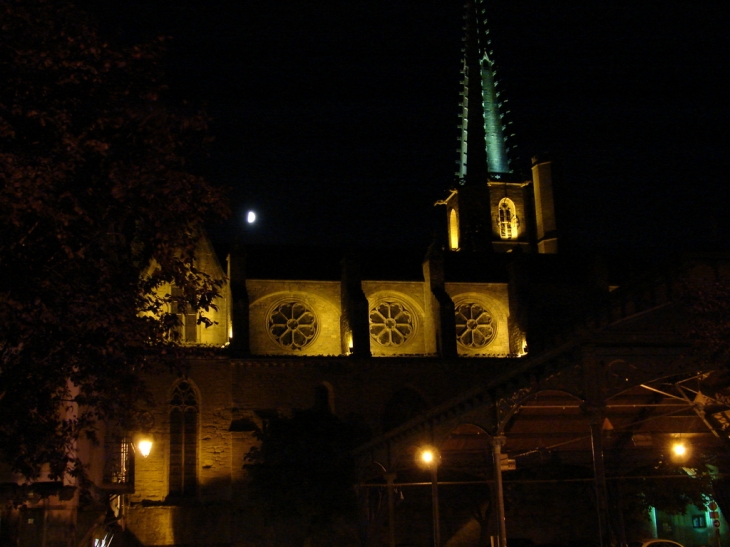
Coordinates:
444 345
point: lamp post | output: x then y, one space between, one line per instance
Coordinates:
429 458
390 477
497 444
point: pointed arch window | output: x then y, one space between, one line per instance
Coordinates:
184 441
508 222
453 230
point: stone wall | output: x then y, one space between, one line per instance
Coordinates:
319 298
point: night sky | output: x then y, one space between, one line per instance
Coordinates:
336 120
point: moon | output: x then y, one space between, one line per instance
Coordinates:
251 217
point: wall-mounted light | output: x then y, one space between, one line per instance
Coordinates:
143 443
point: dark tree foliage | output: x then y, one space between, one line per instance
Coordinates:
98 209
303 468
670 495
562 490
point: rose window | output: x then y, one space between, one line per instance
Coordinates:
292 325
391 323
475 327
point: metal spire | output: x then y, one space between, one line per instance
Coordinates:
483 144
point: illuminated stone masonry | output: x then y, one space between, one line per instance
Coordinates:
475 326
392 323
292 324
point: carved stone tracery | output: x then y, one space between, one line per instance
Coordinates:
475 325
292 324
392 323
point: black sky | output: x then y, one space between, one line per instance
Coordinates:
336 120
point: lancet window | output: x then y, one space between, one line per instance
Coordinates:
453 230
184 413
508 222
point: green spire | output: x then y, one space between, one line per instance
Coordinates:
483 143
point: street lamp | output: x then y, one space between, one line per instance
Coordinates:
680 450
144 443
429 457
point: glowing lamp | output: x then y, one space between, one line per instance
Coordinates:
144 446
428 457
679 449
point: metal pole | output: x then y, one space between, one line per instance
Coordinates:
497 443
435 504
390 477
599 472
594 384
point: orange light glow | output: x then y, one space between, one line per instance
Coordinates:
679 449
144 446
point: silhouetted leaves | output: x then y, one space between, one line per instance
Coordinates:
99 206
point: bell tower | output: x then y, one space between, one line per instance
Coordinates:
491 207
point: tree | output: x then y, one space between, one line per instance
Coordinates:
100 207
303 470
672 496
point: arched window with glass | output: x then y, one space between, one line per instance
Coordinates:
453 230
508 222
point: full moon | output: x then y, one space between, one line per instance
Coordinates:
251 217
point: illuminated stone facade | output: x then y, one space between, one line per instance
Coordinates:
502 212
407 370
388 337
292 348
192 490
